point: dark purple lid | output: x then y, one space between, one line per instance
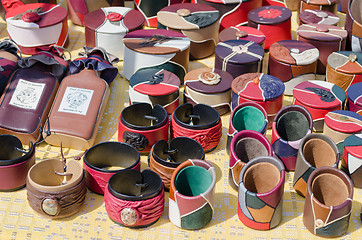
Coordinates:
269 15
318 17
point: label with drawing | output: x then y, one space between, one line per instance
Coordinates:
76 100
27 94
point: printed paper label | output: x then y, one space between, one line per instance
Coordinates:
27 94
76 100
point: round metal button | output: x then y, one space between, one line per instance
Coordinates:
322 28
322 14
183 12
241 34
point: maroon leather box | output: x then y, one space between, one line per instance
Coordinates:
318 17
242 33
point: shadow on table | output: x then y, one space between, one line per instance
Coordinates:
225 207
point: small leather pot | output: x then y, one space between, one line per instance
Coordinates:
352 158
328 202
105 159
261 187
134 199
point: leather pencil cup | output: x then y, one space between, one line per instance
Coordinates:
105 159
352 158
134 199
200 122
165 158
15 162
246 116
245 146
142 125
261 187
315 151
328 202
290 125
56 190
191 198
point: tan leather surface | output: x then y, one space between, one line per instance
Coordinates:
164 172
342 80
261 177
304 69
319 153
8 56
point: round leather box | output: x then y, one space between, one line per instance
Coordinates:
198 22
354 93
232 12
242 33
318 17
156 48
344 68
155 86
319 98
106 28
326 38
326 5
37 25
352 158
150 8
293 62
343 6
263 89
273 21
238 57
209 86
6 6
353 25
78 9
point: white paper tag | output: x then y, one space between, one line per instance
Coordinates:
76 100
27 94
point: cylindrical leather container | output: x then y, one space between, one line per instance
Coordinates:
150 8
209 86
328 202
156 48
354 94
200 122
141 126
319 98
315 151
353 25
343 6
326 5
155 86
8 61
78 9
242 33
198 22
292 62
164 158
232 12
56 190
134 199
246 116
106 28
45 25
263 89
191 201
245 146
261 188
326 38
6 6
352 158
238 57
273 21
310 16
105 159
290 125
344 68
15 162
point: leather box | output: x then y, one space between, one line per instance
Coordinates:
318 17
8 62
198 22
343 6
37 25
292 62
8 5
354 94
242 33
291 4
352 158
326 5
353 25
106 28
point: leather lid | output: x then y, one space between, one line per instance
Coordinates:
321 2
208 80
156 41
187 16
318 16
344 121
114 20
258 86
294 52
319 94
346 62
269 15
242 33
155 82
322 32
354 93
353 144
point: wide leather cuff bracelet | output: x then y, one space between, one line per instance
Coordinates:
200 122
164 159
54 192
15 162
141 126
105 159
134 199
